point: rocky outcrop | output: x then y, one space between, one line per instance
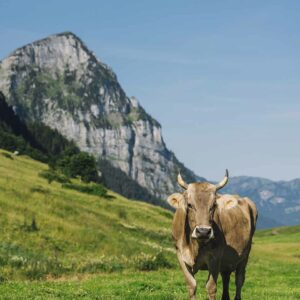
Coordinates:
58 81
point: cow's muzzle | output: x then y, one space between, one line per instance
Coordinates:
203 233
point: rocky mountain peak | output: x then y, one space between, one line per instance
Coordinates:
58 53
58 81
55 52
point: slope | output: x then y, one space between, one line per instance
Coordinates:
50 230
81 246
47 145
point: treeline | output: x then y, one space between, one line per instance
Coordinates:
44 144
47 145
15 136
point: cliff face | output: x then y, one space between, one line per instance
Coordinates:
59 82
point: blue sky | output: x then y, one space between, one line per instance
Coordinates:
222 77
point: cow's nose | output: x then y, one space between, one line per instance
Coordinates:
203 232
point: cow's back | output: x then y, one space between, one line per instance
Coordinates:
236 218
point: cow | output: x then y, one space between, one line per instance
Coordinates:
212 232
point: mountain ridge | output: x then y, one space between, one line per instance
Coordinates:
277 200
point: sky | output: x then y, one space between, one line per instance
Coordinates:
221 77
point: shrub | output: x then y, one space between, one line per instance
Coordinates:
91 189
52 175
162 261
146 264
81 164
152 263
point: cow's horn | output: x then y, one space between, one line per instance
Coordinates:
223 182
181 182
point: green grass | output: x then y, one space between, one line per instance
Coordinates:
75 229
84 246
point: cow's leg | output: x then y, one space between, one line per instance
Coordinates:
189 277
225 279
239 279
211 284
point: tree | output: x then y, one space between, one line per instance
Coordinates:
83 165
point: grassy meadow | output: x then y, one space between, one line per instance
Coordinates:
60 243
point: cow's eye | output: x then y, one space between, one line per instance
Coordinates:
190 205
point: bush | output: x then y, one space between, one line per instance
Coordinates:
162 262
81 164
152 263
91 189
52 175
148 264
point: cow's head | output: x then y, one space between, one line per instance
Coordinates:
199 202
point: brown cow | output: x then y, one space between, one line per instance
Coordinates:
212 232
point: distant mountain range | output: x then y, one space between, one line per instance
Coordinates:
59 82
278 202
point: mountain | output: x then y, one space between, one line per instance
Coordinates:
42 143
278 202
59 82
16 135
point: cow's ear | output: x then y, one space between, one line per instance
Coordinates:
176 200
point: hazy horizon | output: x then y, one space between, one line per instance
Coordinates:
223 79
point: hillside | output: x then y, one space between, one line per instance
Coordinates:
81 246
45 144
47 229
